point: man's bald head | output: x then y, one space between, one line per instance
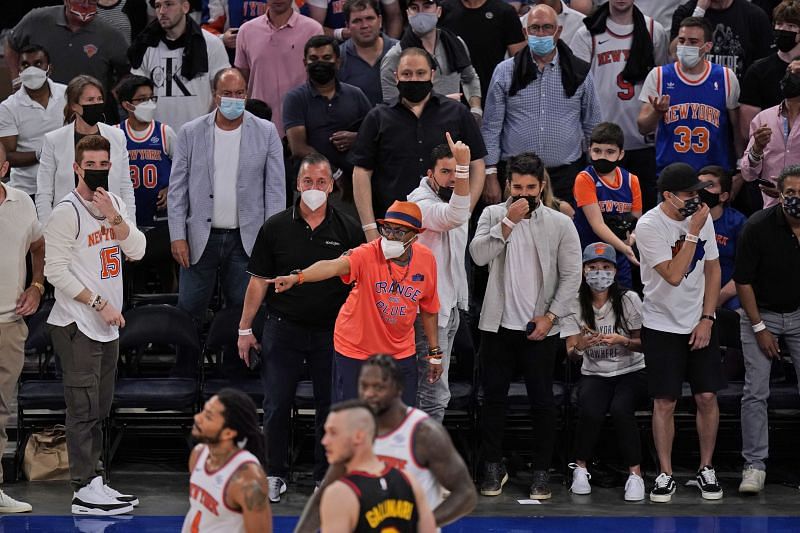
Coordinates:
542 14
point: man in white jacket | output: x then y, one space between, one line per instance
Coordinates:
85 239
444 199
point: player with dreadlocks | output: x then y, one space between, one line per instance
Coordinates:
228 485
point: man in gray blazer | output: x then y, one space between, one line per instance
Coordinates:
227 179
534 259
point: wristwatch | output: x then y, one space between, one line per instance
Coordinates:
38 286
117 220
712 318
552 316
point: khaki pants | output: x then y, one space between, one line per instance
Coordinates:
89 370
12 356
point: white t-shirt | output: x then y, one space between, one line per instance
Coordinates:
226 170
523 278
660 238
609 361
181 100
29 122
620 99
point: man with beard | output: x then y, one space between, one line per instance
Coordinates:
418 446
371 496
181 59
228 486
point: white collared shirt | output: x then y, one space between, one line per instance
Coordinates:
29 122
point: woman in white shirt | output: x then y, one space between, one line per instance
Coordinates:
83 115
605 334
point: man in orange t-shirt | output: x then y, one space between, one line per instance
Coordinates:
393 279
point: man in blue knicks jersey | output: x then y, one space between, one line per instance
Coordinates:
691 104
150 145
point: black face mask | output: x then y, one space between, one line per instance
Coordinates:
445 193
709 198
790 85
604 166
690 206
785 40
321 72
93 113
95 178
533 202
414 91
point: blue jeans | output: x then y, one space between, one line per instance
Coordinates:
285 348
434 397
346 371
224 254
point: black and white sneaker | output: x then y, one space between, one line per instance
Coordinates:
709 486
124 498
664 489
92 500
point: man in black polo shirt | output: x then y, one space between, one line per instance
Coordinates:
299 325
395 141
323 115
767 263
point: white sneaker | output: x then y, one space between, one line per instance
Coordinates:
277 486
634 488
752 480
580 480
124 498
92 499
10 505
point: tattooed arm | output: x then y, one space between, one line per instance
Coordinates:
247 492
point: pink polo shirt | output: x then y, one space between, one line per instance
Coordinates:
274 57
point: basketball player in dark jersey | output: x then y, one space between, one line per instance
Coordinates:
371 496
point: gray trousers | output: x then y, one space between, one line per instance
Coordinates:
89 370
12 357
755 429
434 397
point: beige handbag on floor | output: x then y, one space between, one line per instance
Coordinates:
46 455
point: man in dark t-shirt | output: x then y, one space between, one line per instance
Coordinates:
490 28
741 31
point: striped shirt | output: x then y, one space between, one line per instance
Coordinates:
539 118
114 17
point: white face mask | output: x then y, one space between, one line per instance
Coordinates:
314 198
689 56
393 249
599 280
33 78
145 111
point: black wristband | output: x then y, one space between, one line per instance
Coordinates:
712 318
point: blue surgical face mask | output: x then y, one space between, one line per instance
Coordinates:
231 108
541 45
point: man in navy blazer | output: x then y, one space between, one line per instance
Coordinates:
227 179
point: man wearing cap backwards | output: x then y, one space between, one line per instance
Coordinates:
393 279
681 277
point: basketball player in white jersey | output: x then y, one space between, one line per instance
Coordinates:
228 486
87 238
408 439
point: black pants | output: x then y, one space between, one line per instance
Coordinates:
642 162
501 353
619 396
562 179
286 348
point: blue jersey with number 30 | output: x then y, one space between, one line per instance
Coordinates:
695 129
150 167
